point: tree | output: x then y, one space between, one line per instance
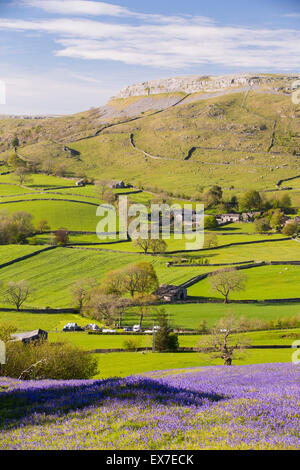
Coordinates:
290 229
42 226
210 222
112 282
213 196
164 339
17 292
22 225
262 225
143 243
144 302
80 292
15 142
101 187
210 241
285 203
121 308
221 344
102 307
6 330
158 246
22 175
276 219
62 237
226 281
250 201
139 278
109 197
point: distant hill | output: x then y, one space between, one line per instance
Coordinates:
238 131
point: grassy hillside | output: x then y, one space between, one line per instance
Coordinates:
242 140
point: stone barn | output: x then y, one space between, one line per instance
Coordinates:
30 336
117 185
170 293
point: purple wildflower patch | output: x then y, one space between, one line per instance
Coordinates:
238 407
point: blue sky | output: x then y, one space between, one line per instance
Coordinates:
65 56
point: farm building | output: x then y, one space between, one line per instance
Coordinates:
294 219
250 216
117 185
170 293
228 218
30 336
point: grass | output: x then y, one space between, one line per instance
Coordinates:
190 315
52 273
105 341
285 250
11 252
124 364
70 215
266 282
26 321
183 315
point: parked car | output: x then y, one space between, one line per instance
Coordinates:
92 327
127 328
148 332
136 328
72 327
109 331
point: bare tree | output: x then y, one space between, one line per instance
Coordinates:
226 281
102 307
143 243
225 339
43 226
122 305
101 187
144 303
17 292
22 175
80 292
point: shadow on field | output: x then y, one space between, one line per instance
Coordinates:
59 398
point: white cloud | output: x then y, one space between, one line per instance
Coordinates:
77 7
58 91
161 41
292 15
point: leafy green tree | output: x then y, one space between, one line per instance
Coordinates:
276 220
213 196
210 222
164 339
15 142
251 201
262 225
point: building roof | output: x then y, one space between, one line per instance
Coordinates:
29 335
166 289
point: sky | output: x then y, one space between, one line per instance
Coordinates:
66 56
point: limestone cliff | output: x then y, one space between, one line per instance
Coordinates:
196 84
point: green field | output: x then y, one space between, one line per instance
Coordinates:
124 364
106 341
52 273
71 215
266 282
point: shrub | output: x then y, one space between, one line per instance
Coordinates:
132 344
48 361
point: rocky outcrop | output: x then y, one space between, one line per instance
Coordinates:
196 84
